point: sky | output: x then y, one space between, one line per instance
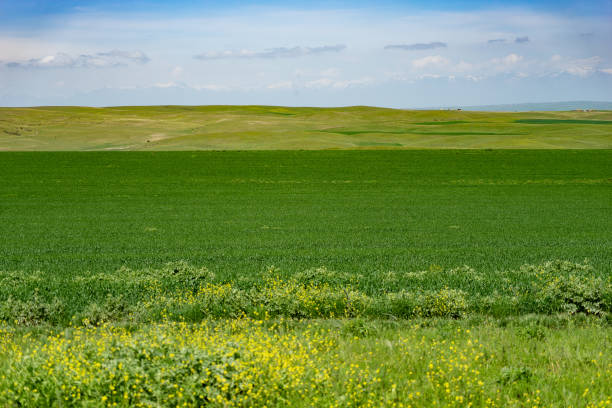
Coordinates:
304 53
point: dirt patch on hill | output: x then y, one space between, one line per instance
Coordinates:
156 137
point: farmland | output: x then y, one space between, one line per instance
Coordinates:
355 212
381 276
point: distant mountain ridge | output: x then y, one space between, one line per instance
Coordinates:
538 106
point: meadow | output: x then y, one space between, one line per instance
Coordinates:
382 276
533 362
162 128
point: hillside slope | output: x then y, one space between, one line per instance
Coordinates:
269 127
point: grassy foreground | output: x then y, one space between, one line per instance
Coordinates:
178 337
370 302
530 362
273 128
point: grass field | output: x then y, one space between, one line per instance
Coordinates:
356 212
307 278
273 128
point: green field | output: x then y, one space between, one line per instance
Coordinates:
282 128
352 211
376 277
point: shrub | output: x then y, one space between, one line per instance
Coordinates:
575 294
185 275
31 312
444 303
112 309
294 299
562 286
400 304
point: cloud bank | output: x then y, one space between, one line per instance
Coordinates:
281 52
111 58
416 47
430 61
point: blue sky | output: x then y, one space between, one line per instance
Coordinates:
384 53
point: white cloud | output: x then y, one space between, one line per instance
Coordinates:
135 56
429 76
338 84
185 86
47 60
606 70
111 58
170 84
416 47
579 70
509 59
281 85
319 83
430 61
353 82
582 67
281 52
212 87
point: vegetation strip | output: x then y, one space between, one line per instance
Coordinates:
185 293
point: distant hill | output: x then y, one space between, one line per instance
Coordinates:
281 128
542 106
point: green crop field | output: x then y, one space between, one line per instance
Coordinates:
354 211
378 276
281 128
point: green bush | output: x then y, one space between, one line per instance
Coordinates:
444 303
113 308
32 311
400 304
185 275
561 286
403 304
